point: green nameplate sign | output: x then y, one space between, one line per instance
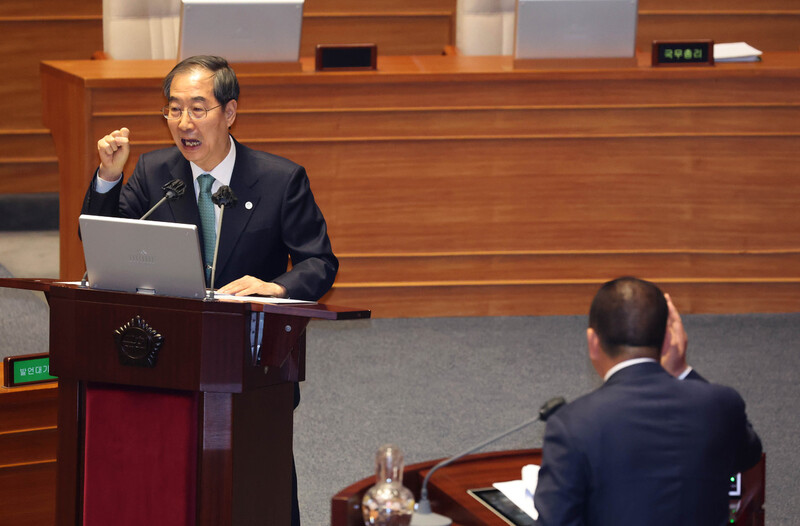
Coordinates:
27 369
683 53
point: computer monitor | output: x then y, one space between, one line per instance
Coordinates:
548 29
241 30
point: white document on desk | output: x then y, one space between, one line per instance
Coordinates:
262 299
736 52
520 492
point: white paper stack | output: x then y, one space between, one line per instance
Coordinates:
736 52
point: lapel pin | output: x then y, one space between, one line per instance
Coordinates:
248 205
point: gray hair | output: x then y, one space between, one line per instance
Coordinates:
226 86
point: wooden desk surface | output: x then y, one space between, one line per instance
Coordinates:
448 489
97 73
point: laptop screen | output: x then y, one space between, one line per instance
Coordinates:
241 30
149 257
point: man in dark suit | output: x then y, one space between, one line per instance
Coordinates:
647 448
276 217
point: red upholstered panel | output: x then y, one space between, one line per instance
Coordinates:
140 457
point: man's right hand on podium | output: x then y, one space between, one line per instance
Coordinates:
114 149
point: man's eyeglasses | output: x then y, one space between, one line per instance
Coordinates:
196 112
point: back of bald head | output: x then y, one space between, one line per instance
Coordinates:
629 316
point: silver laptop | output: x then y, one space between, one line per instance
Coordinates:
241 30
576 29
149 257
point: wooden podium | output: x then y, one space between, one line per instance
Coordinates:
175 411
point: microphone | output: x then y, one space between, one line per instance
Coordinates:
423 516
172 190
224 197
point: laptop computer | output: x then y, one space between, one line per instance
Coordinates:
241 30
548 29
148 257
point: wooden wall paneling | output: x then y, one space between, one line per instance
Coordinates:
51 8
24 44
716 5
27 494
683 175
767 31
558 297
28 454
21 175
27 408
530 121
31 32
536 266
378 6
28 446
544 91
513 193
74 154
395 34
28 161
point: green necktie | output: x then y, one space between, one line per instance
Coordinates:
207 221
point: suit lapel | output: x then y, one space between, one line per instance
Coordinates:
244 182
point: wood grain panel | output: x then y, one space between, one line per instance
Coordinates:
27 494
559 298
20 176
412 34
35 142
455 82
515 91
49 8
28 446
508 194
765 31
481 122
721 6
441 267
28 407
377 6
26 43
28 162
27 454
335 92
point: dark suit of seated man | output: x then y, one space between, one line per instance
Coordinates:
276 217
647 448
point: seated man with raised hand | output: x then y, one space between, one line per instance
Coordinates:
646 448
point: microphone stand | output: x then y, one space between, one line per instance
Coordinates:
223 197
423 515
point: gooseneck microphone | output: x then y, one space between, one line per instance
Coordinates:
423 516
172 190
223 198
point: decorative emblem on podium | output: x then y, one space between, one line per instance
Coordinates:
138 343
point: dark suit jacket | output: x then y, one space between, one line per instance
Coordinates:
645 449
284 220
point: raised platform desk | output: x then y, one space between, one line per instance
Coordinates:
492 191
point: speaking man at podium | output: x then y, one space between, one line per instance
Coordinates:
647 447
276 217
